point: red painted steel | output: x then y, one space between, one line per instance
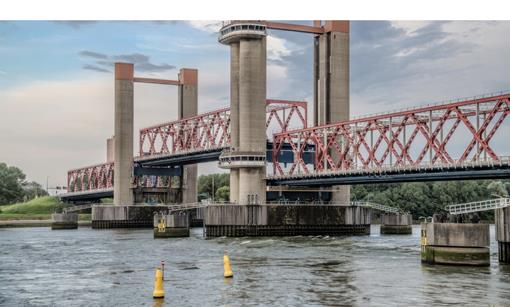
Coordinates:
406 138
212 130
93 177
205 131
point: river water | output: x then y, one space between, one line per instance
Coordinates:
85 267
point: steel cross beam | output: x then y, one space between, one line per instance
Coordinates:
429 135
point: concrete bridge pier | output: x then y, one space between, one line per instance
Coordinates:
396 223
246 160
331 85
503 234
64 221
455 244
188 107
123 138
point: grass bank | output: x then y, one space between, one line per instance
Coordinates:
39 208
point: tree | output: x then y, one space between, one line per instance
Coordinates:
33 189
205 184
11 184
497 189
223 193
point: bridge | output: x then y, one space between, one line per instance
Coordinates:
409 145
269 147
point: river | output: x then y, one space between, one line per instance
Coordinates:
85 267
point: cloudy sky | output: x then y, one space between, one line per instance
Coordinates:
56 81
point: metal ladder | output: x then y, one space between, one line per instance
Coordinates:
478 206
377 206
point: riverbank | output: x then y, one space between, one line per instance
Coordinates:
34 213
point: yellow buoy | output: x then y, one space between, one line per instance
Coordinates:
159 291
226 267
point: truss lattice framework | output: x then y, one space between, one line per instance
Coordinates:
212 130
205 131
94 177
406 138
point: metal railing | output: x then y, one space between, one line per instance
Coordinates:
478 206
377 206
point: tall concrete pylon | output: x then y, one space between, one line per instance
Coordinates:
247 157
188 107
123 137
331 83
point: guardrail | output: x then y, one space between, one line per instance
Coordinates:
478 206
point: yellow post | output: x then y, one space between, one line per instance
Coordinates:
159 291
226 267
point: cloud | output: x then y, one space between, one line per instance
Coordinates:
95 68
3 72
76 24
209 26
92 54
69 121
277 48
104 62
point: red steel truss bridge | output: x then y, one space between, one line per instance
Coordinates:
166 147
464 139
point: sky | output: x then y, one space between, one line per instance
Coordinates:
56 80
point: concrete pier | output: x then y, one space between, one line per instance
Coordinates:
396 223
455 244
503 234
171 225
246 159
123 138
119 216
188 107
331 84
285 220
64 221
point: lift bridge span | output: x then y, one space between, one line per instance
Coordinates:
462 139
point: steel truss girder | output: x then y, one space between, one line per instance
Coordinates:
206 132
384 140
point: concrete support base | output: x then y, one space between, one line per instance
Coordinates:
171 225
395 223
197 217
455 244
64 221
171 233
504 252
503 234
134 216
285 220
471 256
397 229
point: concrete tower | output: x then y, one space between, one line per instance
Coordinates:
247 158
188 107
123 138
331 83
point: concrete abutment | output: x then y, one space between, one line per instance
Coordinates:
396 223
64 221
455 244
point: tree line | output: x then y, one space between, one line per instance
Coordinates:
15 188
